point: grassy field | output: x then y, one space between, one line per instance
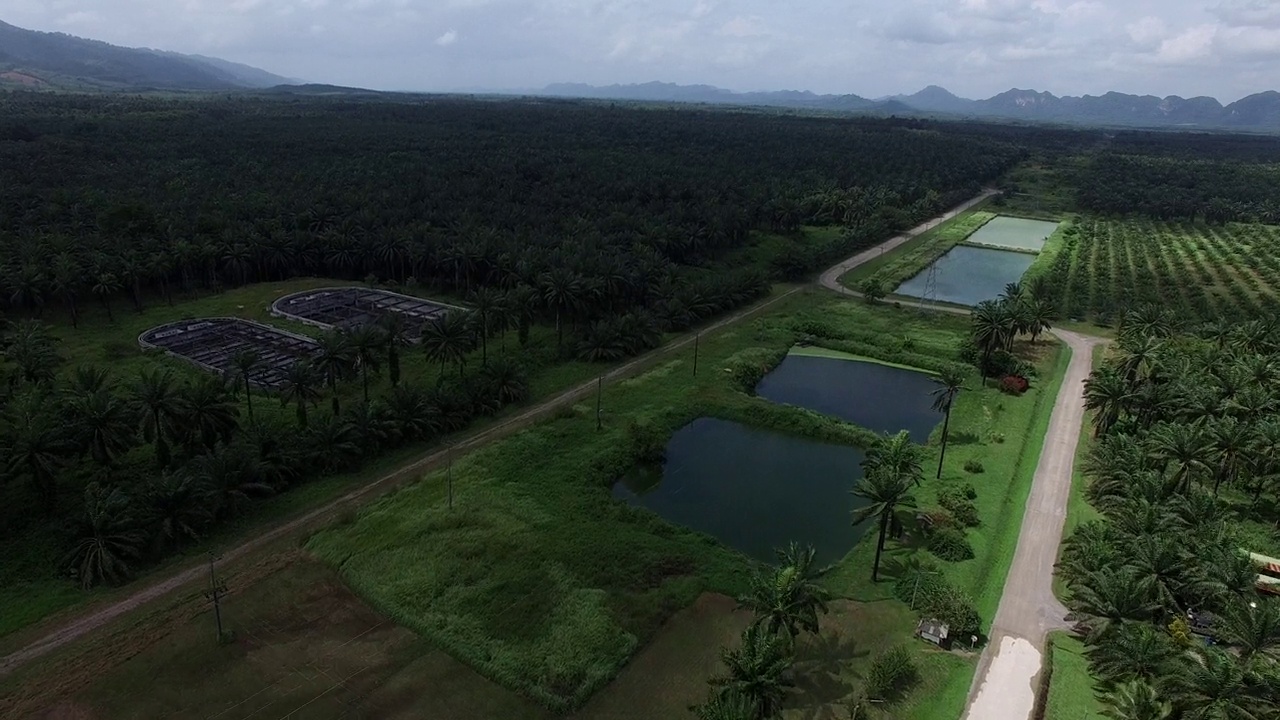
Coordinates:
892 269
536 578
818 351
1071 694
34 587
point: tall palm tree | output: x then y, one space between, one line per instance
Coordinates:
484 304
109 537
104 286
757 670
302 385
897 456
561 291
66 280
335 362
39 444
160 403
447 339
1215 686
1136 700
395 335
366 349
885 492
991 331
246 362
950 382
1040 316
788 597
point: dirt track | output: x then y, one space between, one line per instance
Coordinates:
97 617
1003 685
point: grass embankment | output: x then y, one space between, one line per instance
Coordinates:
894 268
543 582
35 586
1071 695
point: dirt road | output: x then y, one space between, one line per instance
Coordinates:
1003 685
97 617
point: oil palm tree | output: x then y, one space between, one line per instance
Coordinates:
233 477
66 280
1133 652
32 348
1184 447
208 413
447 340
1232 439
39 444
160 404
1136 700
1108 396
1162 560
109 538
950 382
884 492
335 362
1040 316
395 335
561 291
302 385
1112 597
410 410
484 303
179 507
105 285
105 425
246 362
1215 686
1252 628
992 331
366 349
758 670
788 597
726 705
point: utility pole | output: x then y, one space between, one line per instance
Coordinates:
696 338
599 390
215 593
449 475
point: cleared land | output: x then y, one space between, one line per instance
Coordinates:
1200 272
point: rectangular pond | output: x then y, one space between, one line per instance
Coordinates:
1015 233
875 396
968 275
753 490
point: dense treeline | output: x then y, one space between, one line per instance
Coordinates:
610 225
1185 461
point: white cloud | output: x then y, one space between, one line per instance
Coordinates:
744 27
450 37
1190 45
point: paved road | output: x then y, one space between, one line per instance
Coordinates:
1002 688
98 616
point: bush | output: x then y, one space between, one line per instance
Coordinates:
750 366
1014 384
646 442
932 596
892 673
949 543
961 507
973 466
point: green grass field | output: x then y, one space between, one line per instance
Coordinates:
1071 694
540 580
891 269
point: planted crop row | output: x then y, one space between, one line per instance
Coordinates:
1196 271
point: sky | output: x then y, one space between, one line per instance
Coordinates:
975 48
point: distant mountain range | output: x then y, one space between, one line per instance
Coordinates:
53 60
1255 112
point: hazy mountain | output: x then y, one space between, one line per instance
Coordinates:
37 59
1256 112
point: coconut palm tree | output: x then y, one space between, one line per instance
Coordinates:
884 492
302 383
366 349
1231 440
447 340
950 381
897 456
788 597
246 362
334 361
758 670
1165 563
109 538
1039 317
160 404
39 444
32 348
992 331
1136 700
1215 686
105 285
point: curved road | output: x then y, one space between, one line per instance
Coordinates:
95 618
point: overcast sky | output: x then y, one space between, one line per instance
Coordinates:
976 48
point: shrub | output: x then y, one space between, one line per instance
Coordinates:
973 466
949 543
645 442
1014 384
928 592
968 489
960 506
892 673
749 367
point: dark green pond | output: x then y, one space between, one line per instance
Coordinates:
754 490
881 398
968 275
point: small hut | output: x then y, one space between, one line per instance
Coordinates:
934 631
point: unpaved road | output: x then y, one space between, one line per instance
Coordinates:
98 616
1003 685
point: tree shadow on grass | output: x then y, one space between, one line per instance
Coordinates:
962 438
820 673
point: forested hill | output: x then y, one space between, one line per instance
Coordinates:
38 59
1260 111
